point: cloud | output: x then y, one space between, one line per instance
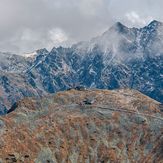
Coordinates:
57 36
26 25
136 19
91 7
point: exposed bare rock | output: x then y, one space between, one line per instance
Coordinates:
121 57
119 126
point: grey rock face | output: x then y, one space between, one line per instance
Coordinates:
121 57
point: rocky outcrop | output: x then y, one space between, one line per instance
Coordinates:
116 126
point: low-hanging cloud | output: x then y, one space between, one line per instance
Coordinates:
136 19
27 25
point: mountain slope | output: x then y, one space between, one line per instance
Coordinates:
13 63
119 126
121 57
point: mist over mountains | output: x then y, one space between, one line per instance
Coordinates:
121 57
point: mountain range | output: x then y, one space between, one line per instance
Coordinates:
121 57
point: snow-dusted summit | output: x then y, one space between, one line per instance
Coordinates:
121 57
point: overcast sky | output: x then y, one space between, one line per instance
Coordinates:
27 25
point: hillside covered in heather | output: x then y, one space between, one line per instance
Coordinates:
84 126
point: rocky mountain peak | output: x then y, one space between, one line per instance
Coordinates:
44 50
119 27
128 58
155 24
